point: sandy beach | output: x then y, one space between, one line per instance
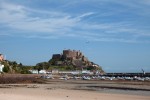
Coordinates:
75 90
61 94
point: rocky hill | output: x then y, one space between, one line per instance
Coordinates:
75 60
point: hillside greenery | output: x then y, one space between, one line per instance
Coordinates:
14 67
51 64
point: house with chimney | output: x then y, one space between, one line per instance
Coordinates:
1 57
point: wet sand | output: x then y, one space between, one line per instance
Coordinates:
76 90
62 94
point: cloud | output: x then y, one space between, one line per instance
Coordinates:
19 18
86 14
53 24
16 17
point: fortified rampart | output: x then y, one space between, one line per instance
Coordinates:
69 54
72 54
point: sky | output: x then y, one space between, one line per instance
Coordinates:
112 33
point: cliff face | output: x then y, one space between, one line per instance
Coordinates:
73 58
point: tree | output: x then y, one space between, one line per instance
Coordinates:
6 69
25 70
52 61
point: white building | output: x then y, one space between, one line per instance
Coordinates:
42 72
1 67
34 71
87 72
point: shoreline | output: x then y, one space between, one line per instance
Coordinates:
46 92
111 87
56 89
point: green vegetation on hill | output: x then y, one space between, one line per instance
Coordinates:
50 66
14 67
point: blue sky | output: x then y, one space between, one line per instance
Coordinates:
117 31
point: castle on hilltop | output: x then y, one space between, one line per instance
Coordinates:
72 57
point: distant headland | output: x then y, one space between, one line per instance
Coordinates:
71 60
68 60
